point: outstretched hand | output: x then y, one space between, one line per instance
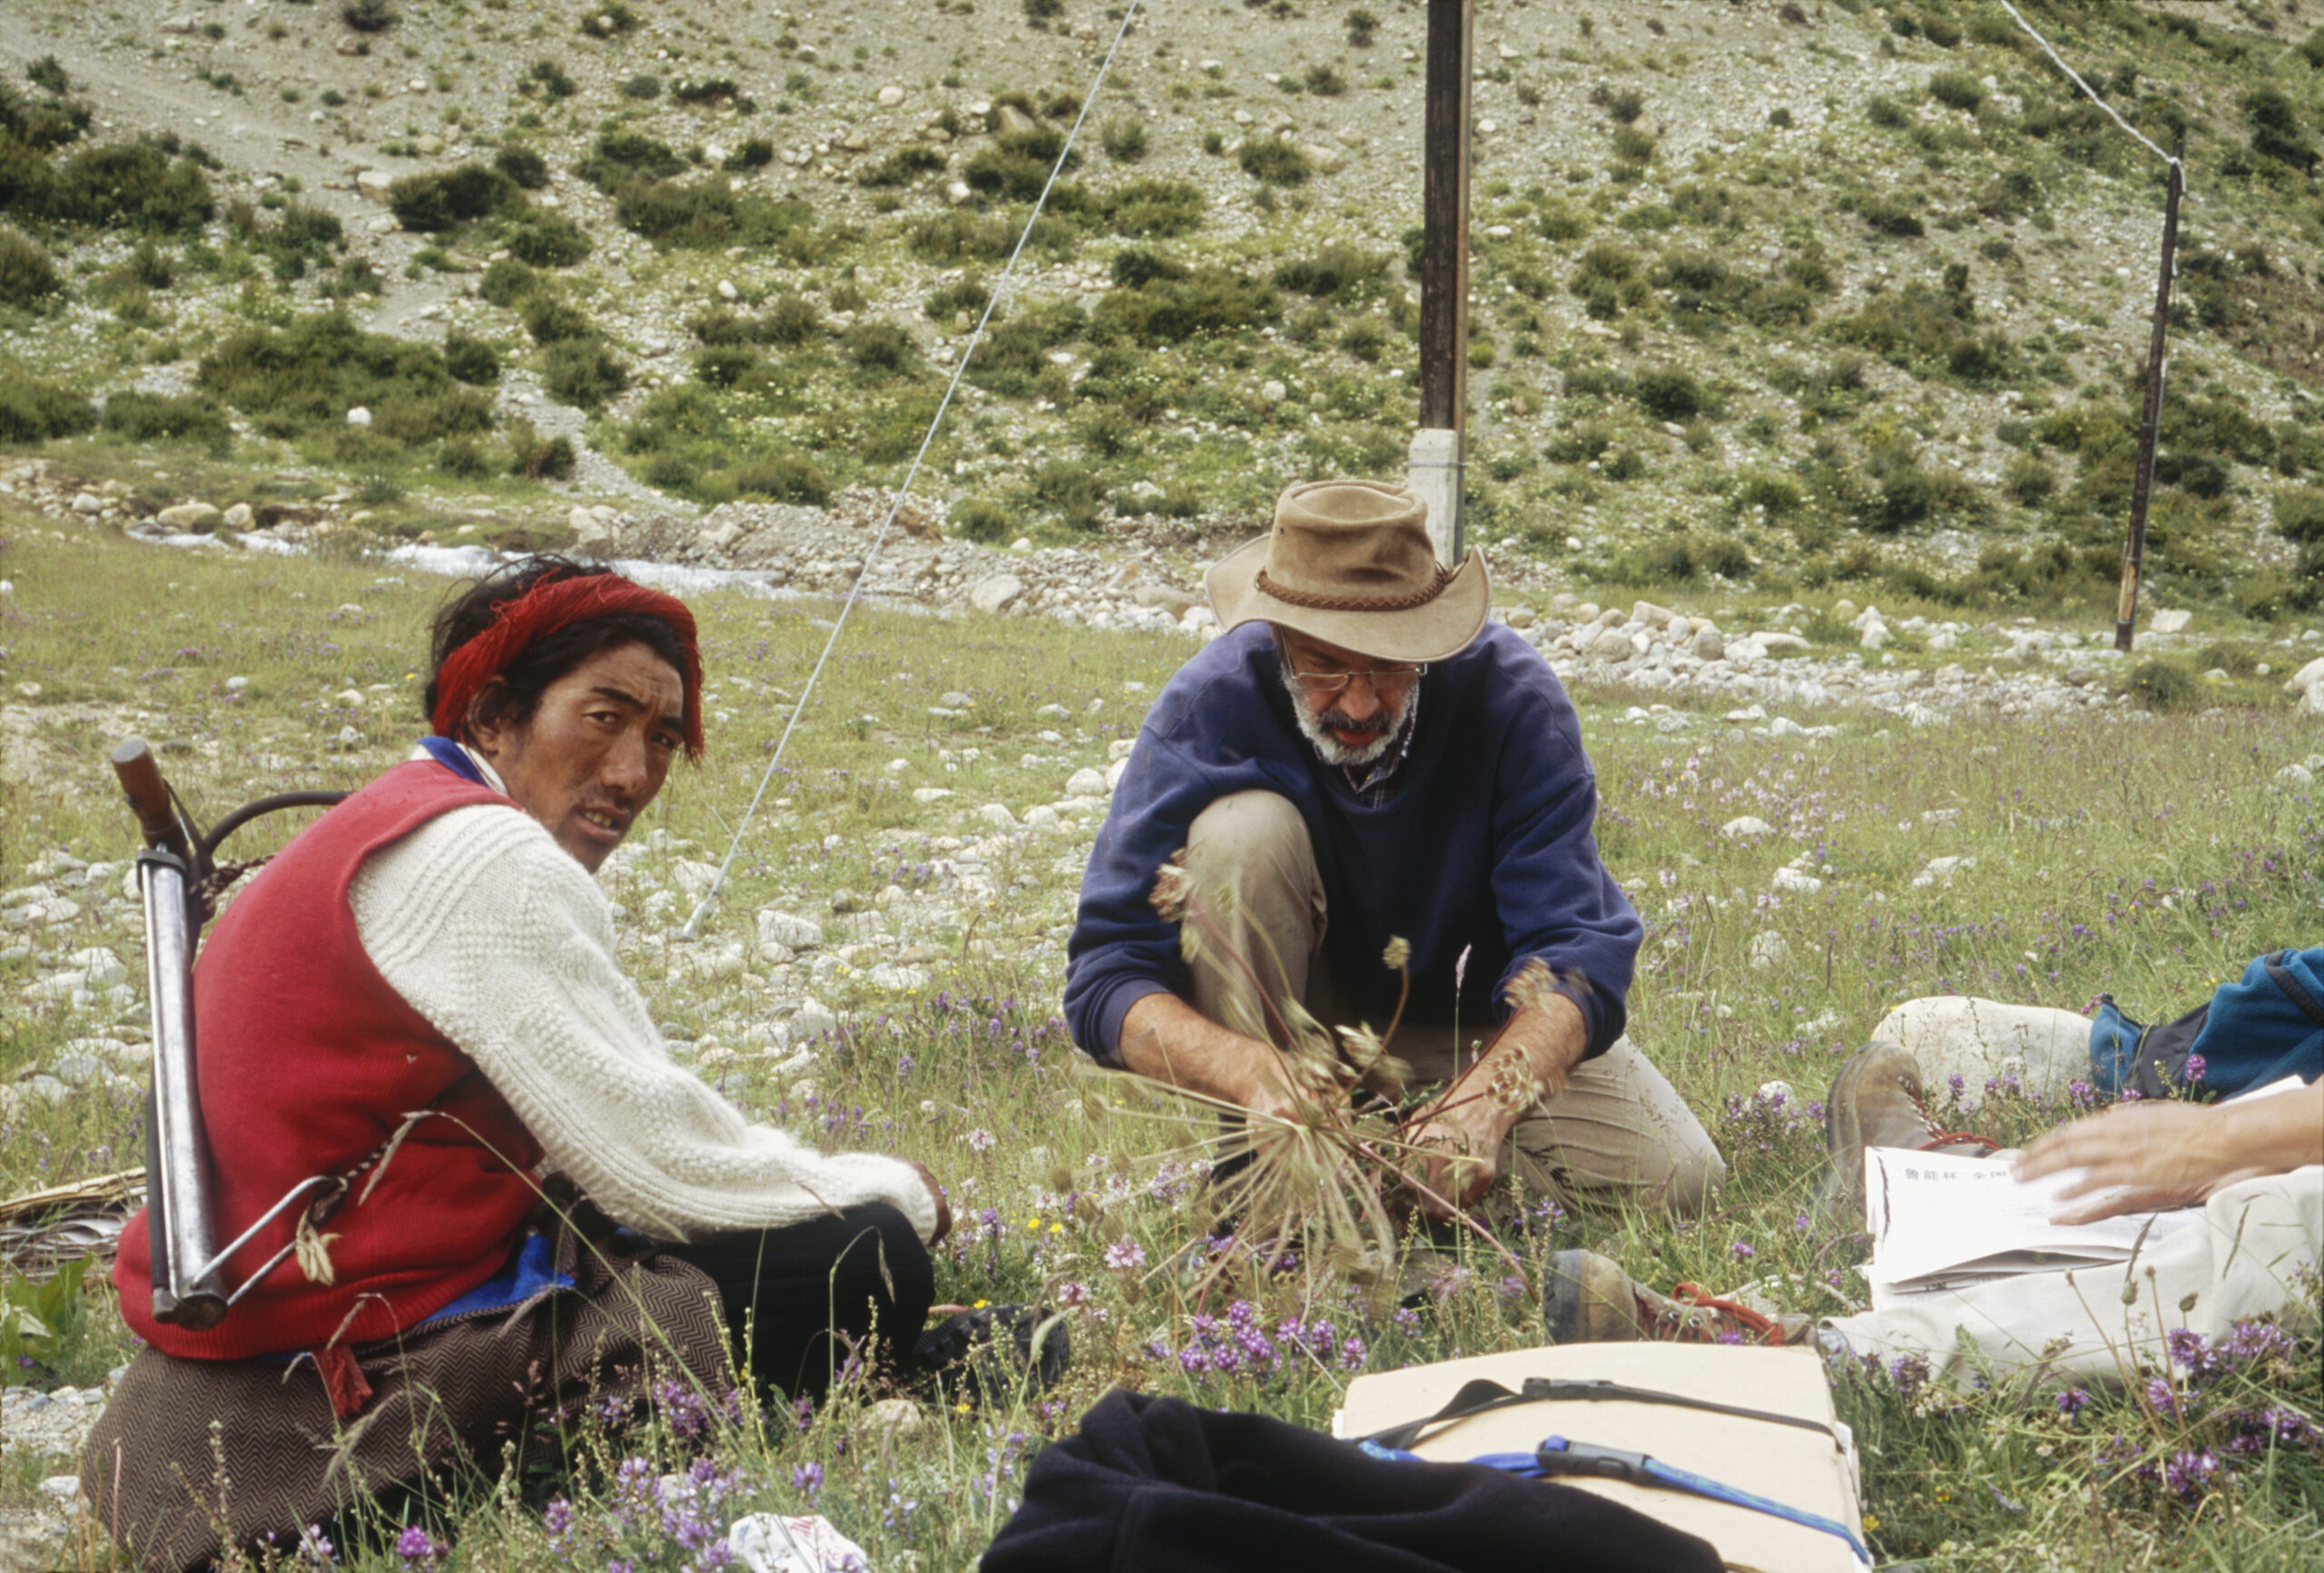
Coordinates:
2139 1157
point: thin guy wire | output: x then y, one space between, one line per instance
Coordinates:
855 591
2085 87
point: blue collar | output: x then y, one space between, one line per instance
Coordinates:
453 758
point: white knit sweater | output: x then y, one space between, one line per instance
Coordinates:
502 941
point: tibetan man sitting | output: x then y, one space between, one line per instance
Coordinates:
530 1208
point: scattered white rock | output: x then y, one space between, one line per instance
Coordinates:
995 594
1747 826
1940 872
788 930
1797 881
359 415
1769 950
1085 783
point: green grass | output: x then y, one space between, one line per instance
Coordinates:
2075 857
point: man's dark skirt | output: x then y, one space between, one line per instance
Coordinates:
192 1455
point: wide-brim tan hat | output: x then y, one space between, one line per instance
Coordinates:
1350 563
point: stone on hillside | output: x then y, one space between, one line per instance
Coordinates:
890 97
1750 825
2296 775
2306 678
1875 635
86 502
1653 616
1709 645
1767 950
238 516
2171 621
1749 712
1114 773
359 415
101 965
812 1020
1085 783
931 794
1796 880
1777 1092
1940 872
898 1417
373 185
789 930
1521 617
997 816
198 517
179 24
995 594
2312 701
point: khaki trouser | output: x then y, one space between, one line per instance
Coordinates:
1619 1131
2250 1254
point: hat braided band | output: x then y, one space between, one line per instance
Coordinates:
1314 602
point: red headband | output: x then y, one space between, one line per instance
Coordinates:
550 605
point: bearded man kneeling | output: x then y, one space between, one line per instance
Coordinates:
531 1210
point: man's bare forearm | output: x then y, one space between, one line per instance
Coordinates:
1529 1060
1167 1040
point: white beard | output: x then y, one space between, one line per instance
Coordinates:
1331 750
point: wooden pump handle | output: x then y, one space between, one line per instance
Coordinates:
148 798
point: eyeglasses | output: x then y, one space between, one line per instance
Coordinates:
1336 682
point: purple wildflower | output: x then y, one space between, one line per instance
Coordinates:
2072 1401
415 1545
1124 1255
2189 1474
807 1479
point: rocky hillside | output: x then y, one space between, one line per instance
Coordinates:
1792 296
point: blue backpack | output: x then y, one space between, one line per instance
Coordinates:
2266 1025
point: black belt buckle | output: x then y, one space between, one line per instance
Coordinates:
1558 1456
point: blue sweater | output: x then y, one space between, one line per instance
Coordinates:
1484 844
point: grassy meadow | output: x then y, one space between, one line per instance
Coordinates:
2150 859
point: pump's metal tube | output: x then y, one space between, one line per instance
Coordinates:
188 1295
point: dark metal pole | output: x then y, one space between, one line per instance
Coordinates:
2126 607
1444 261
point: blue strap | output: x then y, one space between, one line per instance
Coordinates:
1558 1456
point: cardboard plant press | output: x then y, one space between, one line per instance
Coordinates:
1802 1468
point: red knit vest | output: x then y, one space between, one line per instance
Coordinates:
308 1061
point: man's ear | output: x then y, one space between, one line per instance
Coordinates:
487 727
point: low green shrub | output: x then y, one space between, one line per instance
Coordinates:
609 21
1272 162
33 411
724 365
584 371
28 276
524 166
782 477
1957 90
2165 686
962 237
903 166
1016 164
1891 216
1170 311
309 375
545 239
551 320
1146 208
1124 139
981 520
1073 492
1337 267
470 360
444 199
507 281
129 184
880 346
622 153
644 85
1670 394
369 15
754 154
142 417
